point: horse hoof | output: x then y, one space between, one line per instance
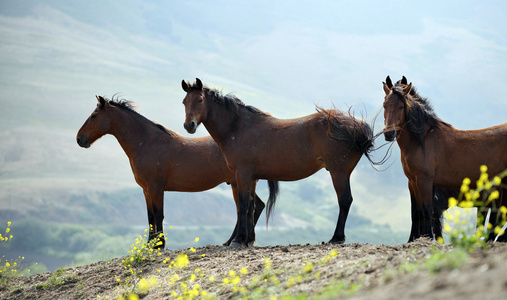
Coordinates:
236 245
336 242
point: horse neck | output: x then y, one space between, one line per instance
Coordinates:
220 122
130 129
405 139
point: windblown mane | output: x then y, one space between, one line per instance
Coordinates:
344 127
230 101
129 105
418 112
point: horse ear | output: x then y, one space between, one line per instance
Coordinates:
407 89
404 80
185 86
389 82
101 100
198 83
387 90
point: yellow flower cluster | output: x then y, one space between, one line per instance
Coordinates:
182 288
269 285
468 198
10 268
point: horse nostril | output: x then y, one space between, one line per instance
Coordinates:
389 135
190 126
83 141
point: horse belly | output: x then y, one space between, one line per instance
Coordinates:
288 169
198 180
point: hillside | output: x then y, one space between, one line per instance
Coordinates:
418 270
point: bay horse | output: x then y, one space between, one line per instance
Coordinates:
257 145
161 159
434 154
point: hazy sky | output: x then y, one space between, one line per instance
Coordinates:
280 56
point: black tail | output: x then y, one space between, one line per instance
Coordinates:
273 193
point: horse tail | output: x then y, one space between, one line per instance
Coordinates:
344 127
273 194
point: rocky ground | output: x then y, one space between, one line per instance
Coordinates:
418 270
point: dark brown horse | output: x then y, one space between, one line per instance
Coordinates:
434 154
257 145
161 159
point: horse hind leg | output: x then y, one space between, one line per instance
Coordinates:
341 183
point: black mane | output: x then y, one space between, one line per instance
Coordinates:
418 112
129 105
230 101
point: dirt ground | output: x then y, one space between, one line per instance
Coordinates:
363 271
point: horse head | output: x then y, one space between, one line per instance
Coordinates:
395 105
195 107
97 124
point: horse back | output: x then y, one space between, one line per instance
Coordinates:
460 153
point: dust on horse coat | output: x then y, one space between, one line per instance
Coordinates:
161 159
434 153
257 145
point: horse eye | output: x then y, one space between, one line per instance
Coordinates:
200 100
93 115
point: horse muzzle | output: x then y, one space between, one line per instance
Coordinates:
390 135
83 141
191 126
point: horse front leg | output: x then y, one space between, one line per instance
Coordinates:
341 183
258 208
235 195
414 231
424 206
155 206
245 222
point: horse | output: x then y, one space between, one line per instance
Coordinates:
161 159
257 145
434 154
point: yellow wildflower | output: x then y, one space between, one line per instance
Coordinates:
181 261
493 196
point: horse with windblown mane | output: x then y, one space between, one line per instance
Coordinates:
257 145
434 154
